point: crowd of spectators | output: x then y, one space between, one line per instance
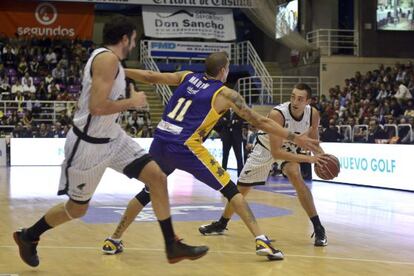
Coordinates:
137 123
378 100
43 69
34 70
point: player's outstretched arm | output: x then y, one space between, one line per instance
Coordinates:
237 103
152 77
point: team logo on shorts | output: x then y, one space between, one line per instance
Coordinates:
81 186
220 171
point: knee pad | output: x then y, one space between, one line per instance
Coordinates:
230 190
143 197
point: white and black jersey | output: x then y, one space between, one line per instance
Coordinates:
97 142
258 165
104 125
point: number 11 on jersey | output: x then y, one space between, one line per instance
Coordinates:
173 114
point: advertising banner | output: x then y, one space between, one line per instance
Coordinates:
380 165
188 3
167 22
32 18
50 151
185 49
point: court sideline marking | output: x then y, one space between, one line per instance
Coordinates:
226 252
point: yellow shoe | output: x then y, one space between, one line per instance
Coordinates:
265 248
112 247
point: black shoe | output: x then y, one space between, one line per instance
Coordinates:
214 228
179 251
320 237
27 248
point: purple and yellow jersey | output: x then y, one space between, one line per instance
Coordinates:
187 120
189 115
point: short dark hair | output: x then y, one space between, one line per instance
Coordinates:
304 86
116 28
214 62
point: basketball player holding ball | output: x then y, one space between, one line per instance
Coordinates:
299 117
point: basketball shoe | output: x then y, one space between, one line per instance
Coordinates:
27 248
179 251
265 248
214 228
112 247
320 237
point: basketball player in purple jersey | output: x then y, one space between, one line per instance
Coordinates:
195 107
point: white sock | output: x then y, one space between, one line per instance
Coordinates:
262 237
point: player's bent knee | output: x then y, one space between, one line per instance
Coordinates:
292 170
153 175
244 190
230 190
157 178
293 175
138 166
75 210
162 178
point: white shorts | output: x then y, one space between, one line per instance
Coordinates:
259 164
85 163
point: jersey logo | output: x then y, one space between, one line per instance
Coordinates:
220 171
213 162
191 90
81 186
202 132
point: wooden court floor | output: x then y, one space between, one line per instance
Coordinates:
370 231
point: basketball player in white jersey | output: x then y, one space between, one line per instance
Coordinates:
299 117
97 142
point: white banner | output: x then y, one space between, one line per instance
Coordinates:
380 165
167 22
3 154
188 3
185 49
36 151
50 151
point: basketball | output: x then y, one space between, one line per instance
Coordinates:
330 170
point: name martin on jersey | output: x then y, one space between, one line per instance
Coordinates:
197 85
